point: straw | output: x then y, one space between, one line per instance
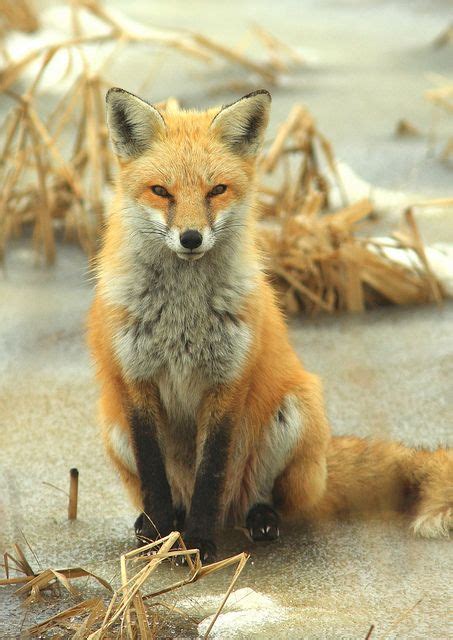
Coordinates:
129 607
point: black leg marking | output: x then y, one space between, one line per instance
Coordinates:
205 507
180 519
262 523
157 519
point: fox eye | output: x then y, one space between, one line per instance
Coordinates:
160 191
217 190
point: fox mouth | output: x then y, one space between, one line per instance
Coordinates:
190 256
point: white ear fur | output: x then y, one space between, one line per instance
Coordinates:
133 123
241 125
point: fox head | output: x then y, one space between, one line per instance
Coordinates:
187 176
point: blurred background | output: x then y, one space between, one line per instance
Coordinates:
356 196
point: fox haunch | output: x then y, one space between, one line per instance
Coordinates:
207 413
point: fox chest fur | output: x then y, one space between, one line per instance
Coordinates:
184 330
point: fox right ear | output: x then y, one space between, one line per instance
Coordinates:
133 123
241 125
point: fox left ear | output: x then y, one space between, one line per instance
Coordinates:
241 125
133 123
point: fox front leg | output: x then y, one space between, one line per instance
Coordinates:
158 515
209 483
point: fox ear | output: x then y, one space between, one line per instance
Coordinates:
241 125
133 123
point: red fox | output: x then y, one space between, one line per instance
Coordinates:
207 413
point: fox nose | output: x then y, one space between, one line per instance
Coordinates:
191 239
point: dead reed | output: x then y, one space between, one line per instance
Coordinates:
73 494
129 613
317 258
33 584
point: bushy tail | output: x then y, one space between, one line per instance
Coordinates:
368 476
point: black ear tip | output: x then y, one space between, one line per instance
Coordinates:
110 93
258 92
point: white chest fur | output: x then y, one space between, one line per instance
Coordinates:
184 332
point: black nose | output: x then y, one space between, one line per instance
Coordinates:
191 239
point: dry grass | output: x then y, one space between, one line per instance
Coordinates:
33 584
42 189
131 611
278 57
317 257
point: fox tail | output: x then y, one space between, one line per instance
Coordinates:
370 476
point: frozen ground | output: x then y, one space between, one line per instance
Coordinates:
387 373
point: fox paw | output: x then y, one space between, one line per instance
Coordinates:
138 525
207 548
262 523
146 531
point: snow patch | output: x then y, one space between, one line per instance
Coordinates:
246 611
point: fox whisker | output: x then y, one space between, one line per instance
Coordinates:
226 225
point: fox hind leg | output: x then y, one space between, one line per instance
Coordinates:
302 483
294 476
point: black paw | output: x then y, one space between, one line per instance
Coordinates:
179 519
262 523
207 548
146 531
138 525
